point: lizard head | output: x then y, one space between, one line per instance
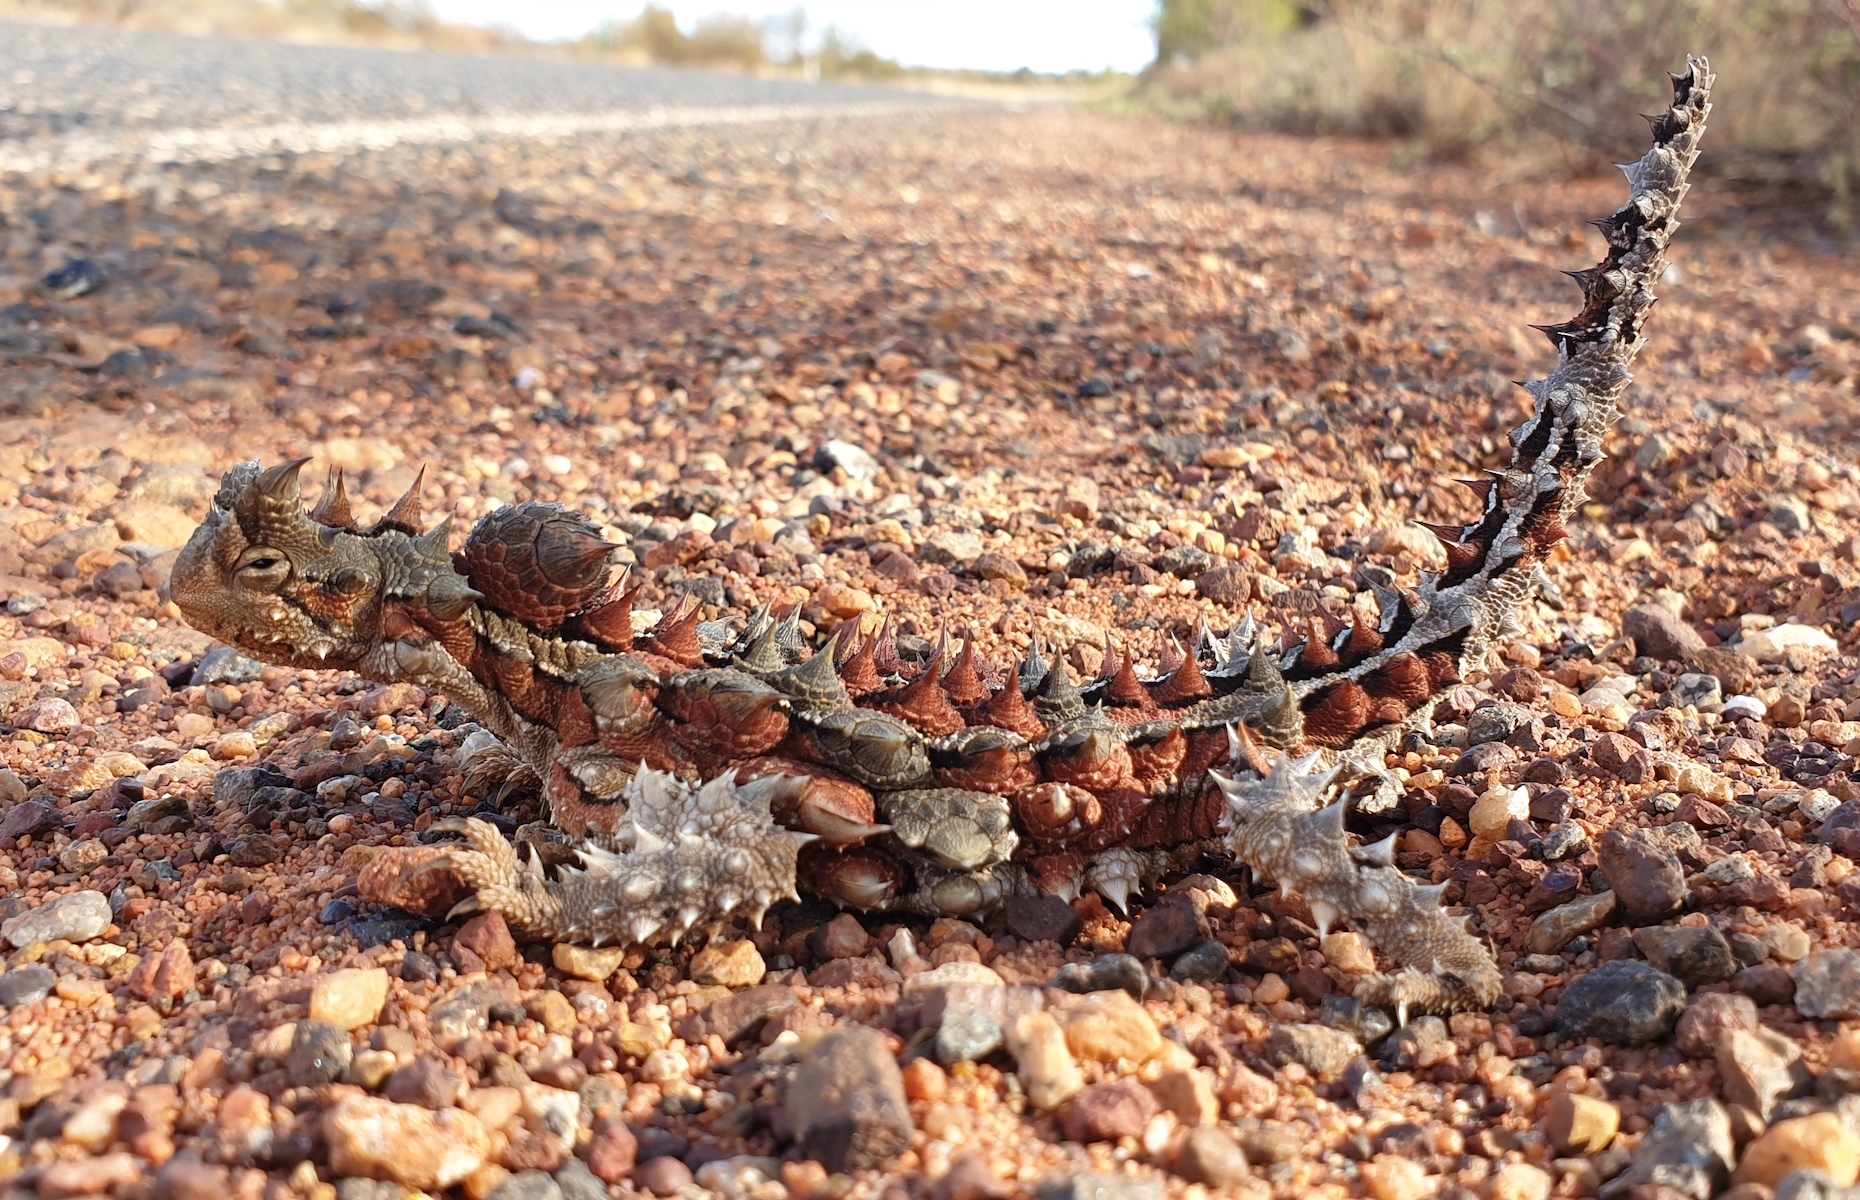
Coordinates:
312 589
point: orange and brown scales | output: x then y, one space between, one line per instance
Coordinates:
726 712
922 703
538 563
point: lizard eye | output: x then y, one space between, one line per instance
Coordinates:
261 569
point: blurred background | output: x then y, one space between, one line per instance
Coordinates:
1529 87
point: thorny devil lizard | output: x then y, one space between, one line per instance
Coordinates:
709 768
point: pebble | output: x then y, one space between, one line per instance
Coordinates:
1046 1068
1108 1026
487 937
426 1082
664 1176
967 1035
1659 633
1520 1181
1189 1094
842 937
1392 1177
1786 941
51 715
404 1143
1758 1067
1696 954
73 917
742 1015
1095 1185
1644 874
1553 930
1165 930
1323 1051
1819 1142
1689 1149
528 1185
584 962
846 1103
1774 643
1493 813
1621 1002
320 1053
1709 1019
350 998
1105 1112
1107 972
1827 984
1203 962
27 984
612 1150
1577 1124
1211 1156
728 964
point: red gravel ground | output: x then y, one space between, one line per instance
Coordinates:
1104 379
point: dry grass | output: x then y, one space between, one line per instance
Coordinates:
1461 77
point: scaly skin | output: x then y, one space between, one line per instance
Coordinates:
932 788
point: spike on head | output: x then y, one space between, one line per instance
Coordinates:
405 515
332 508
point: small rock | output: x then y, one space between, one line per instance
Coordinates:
488 937
846 1103
1046 1067
89 1176
1107 972
1562 925
1043 918
1212 1157
1094 1185
583 962
1324 1051
320 1053
613 1149
1578 1124
1519 1181
1827 984
1203 962
1106 1112
378 1139
1621 1002
842 937
1167 929
728 964
1710 1019
73 917
1392 1177
350 998
1766 984
1773 644
1645 875
1110 1025
1659 633
664 1176
1189 1094
577 1182
1759 1067
1689 1149
27 984
528 1185
967 1035
1820 1142
1696 954
51 715
743 1014
426 1082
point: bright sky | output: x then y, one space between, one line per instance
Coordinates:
989 35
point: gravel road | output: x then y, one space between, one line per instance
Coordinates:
75 96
